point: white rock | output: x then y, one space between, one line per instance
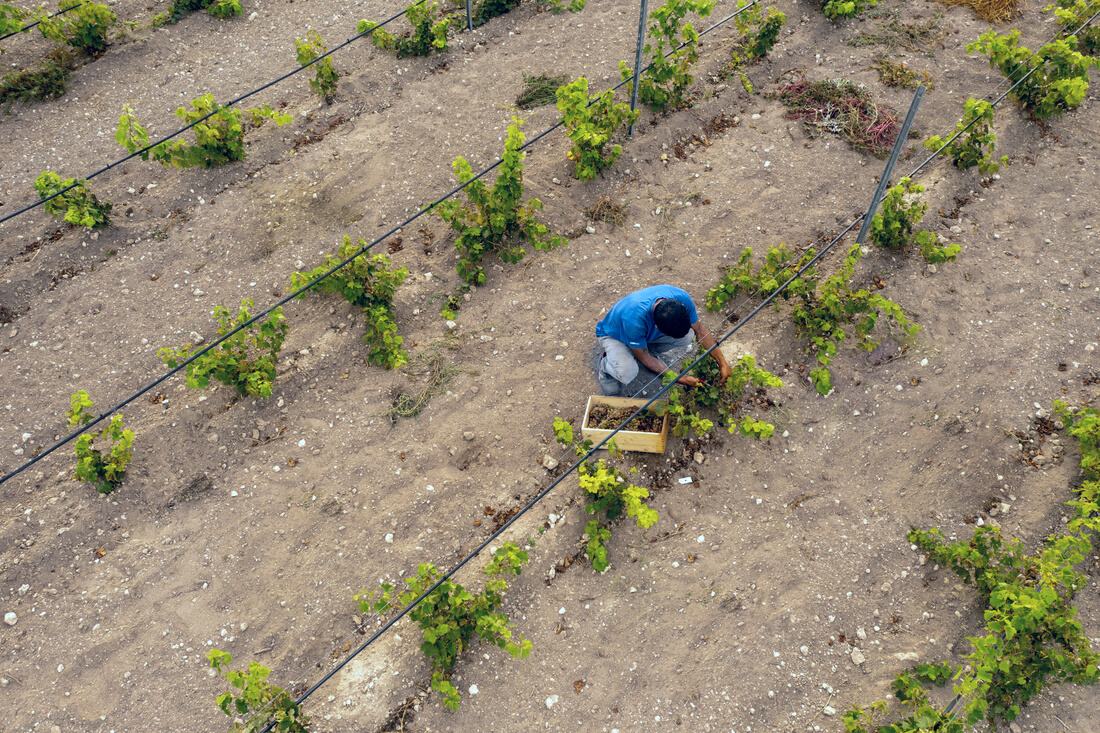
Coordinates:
701 539
559 357
549 463
829 710
451 325
804 649
590 230
389 538
551 700
561 610
907 656
302 443
473 689
253 16
10 618
857 657
861 633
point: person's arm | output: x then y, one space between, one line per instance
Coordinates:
707 341
655 365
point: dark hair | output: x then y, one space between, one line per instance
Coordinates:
671 318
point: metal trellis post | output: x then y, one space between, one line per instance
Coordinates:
883 182
642 17
469 16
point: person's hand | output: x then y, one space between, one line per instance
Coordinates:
690 381
725 373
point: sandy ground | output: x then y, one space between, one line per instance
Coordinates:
248 525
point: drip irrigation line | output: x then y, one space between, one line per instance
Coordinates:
995 102
245 96
26 28
187 127
282 301
565 450
542 494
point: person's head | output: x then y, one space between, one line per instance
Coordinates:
671 318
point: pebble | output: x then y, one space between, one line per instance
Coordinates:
857 657
10 618
551 700
861 633
829 710
244 626
468 435
389 538
804 649
549 463
699 457
473 689
451 325
590 230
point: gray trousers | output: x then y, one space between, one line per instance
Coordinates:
619 365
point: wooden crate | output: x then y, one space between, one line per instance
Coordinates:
631 440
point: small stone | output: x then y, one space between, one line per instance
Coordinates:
956 229
555 180
389 538
861 633
451 325
804 649
559 357
907 656
549 463
931 269
473 689
10 618
253 17
1014 728
857 657
1004 508
551 700
590 230
829 710
886 587
244 626
468 435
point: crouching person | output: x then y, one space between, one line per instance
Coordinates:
653 327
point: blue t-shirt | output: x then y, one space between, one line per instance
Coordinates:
631 319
